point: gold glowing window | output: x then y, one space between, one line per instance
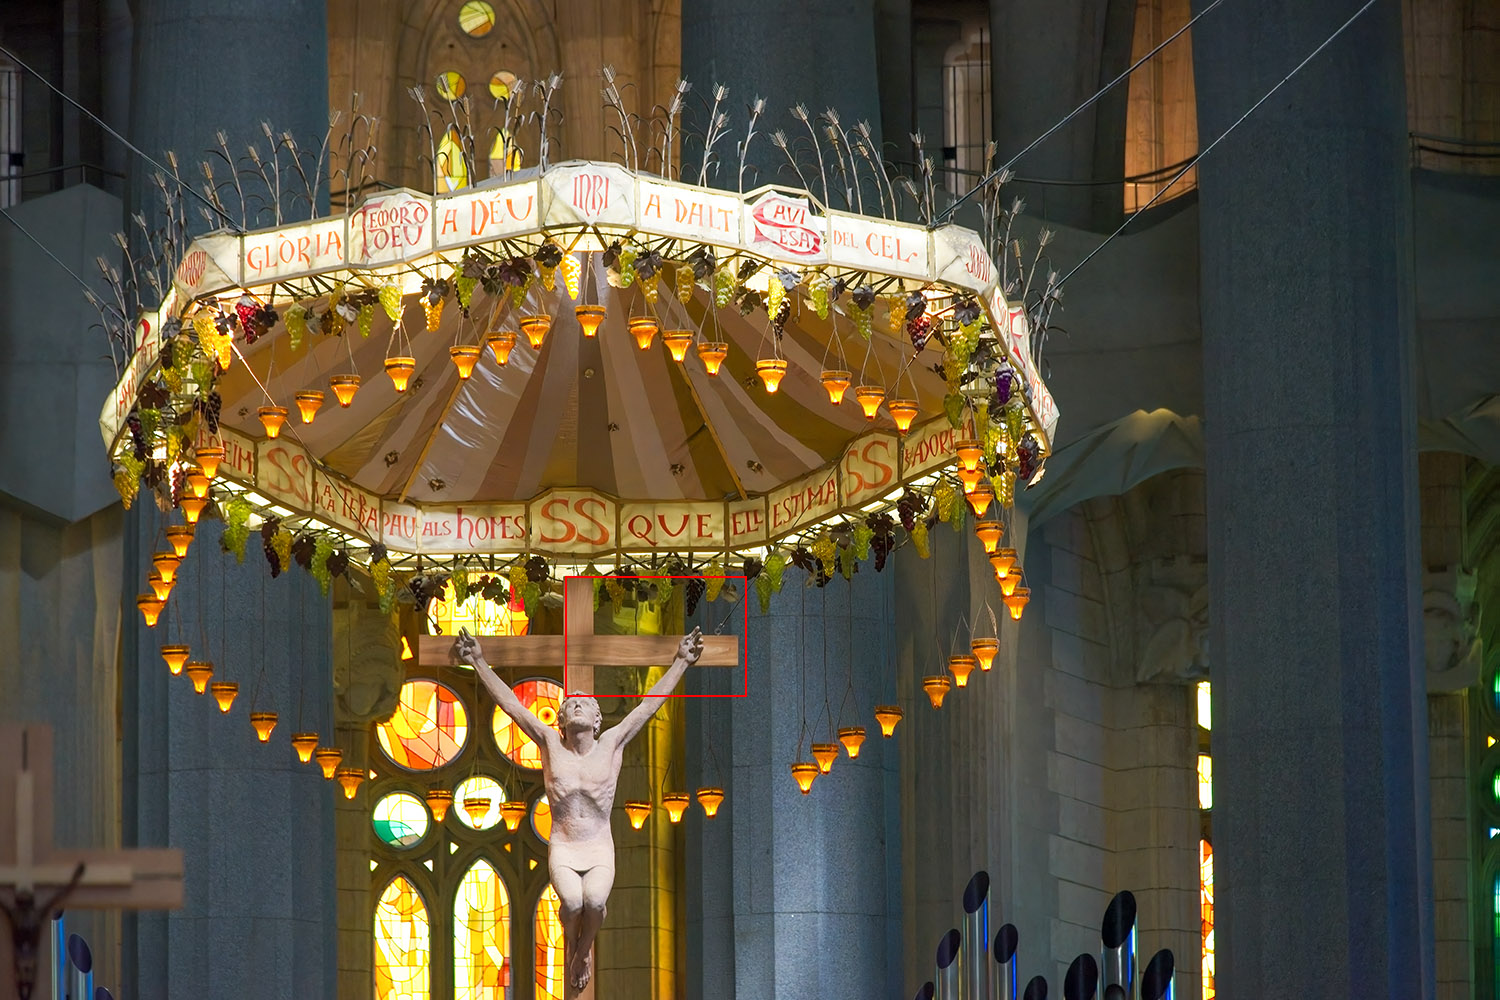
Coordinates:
476 18
549 948
481 936
1205 781
544 698
428 728
1206 899
402 943
479 616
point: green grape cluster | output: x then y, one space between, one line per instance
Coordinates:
862 535
862 322
296 325
897 306
823 549
464 288
1005 488
953 406
281 542
846 562
518 292
390 300
128 479
775 295
723 287
366 319
919 539
150 421
549 278
318 567
817 290
685 283
946 499
763 592
460 581
714 582
775 566
385 584
1015 419
627 267
236 526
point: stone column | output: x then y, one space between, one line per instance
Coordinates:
1322 842
255 825
795 896
821 53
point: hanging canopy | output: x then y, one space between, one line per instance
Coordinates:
588 444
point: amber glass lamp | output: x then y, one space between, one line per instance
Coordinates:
937 688
224 693
675 803
328 759
852 737
713 353
501 342
196 481
263 723
961 666
209 457
903 412
308 404
304 744
589 318
349 779
643 329
804 772
180 536
465 357
638 810
1016 602
166 564
176 657
150 606
825 754
400 367
512 813
984 652
836 381
272 418
344 387
888 716
969 453
870 397
710 798
535 328
771 372
439 800
1002 561
199 671
989 534
192 508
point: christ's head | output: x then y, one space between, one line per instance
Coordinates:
578 713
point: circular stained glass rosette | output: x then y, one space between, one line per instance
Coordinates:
400 820
541 818
478 787
428 728
450 85
543 697
476 18
501 84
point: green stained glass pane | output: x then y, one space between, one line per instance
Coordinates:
1495 686
400 819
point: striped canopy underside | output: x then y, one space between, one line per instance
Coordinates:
596 413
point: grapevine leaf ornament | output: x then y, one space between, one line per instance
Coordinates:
338 563
953 406
882 538
302 550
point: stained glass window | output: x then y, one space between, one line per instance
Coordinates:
1206 895
481 936
1205 781
543 698
479 616
452 167
400 820
401 943
1205 705
541 817
500 85
477 800
549 948
428 728
476 18
450 86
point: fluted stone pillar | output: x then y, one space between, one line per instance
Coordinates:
1321 836
796 897
820 53
255 825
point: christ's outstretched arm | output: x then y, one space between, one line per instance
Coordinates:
466 650
687 654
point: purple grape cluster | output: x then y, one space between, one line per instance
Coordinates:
693 592
267 543
884 538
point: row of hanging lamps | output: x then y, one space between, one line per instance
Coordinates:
676 804
535 328
272 418
888 716
637 810
349 779
501 342
344 387
713 353
439 800
224 692
512 813
176 657
400 367
309 401
209 456
852 737
304 744
643 329
677 343
937 688
465 357
961 666
263 723
589 318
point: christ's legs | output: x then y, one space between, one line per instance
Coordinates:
597 882
568 885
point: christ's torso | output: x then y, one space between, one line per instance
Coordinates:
581 793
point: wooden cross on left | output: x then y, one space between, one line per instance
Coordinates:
35 875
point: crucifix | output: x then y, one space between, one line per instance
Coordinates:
580 760
37 880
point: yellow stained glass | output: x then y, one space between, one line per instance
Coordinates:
549 948
544 698
481 936
400 820
1205 705
450 85
479 616
1205 781
476 18
402 944
499 152
541 818
478 787
428 728
452 167
1206 894
501 84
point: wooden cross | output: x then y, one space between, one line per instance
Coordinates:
29 864
584 649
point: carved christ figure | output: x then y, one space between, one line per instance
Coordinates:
580 769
